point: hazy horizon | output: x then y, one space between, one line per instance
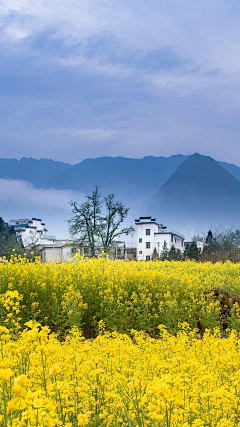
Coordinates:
125 157
20 198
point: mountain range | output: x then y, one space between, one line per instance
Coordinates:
195 189
119 175
200 191
38 172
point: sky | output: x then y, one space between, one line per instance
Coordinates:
129 78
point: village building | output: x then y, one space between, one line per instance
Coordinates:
57 251
32 232
151 235
64 250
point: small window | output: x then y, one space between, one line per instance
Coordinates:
148 231
140 252
148 245
175 240
182 242
171 238
140 240
148 258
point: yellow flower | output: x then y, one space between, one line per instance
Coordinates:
38 403
17 390
83 419
54 369
22 379
6 374
11 406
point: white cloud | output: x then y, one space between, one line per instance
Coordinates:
201 30
16 32
68 104
21 199
95 66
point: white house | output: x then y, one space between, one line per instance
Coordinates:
62 251
57 250
152 235
31 231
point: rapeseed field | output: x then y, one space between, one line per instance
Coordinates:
166 352
118 380
125 295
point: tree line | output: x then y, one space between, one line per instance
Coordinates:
9 242
218 245
98 221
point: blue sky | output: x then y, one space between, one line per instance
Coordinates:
126 78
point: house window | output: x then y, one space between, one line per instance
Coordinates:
140 252
140 240
148 245
171 238
182 242
175 240
148 258
148 231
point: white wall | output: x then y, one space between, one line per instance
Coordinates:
34 234
62 254
141 234
29 236
156 239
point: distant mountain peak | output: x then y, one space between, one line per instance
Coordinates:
200 190
200 171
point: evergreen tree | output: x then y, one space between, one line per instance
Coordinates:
192 251
209 238
8 241
174 254
164 252
155 255
211 244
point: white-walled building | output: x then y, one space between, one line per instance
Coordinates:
31 231
62 251
57 251
152 235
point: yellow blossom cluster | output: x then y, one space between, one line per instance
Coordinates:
126 295
118 380
10 301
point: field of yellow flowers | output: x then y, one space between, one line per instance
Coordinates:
159 359
125 295
117 380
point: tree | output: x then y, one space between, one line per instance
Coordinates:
155 255
174 254
222 244
8 241
211 241
164 252
95 227
191 251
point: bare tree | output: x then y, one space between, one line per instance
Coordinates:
221 244
94 229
